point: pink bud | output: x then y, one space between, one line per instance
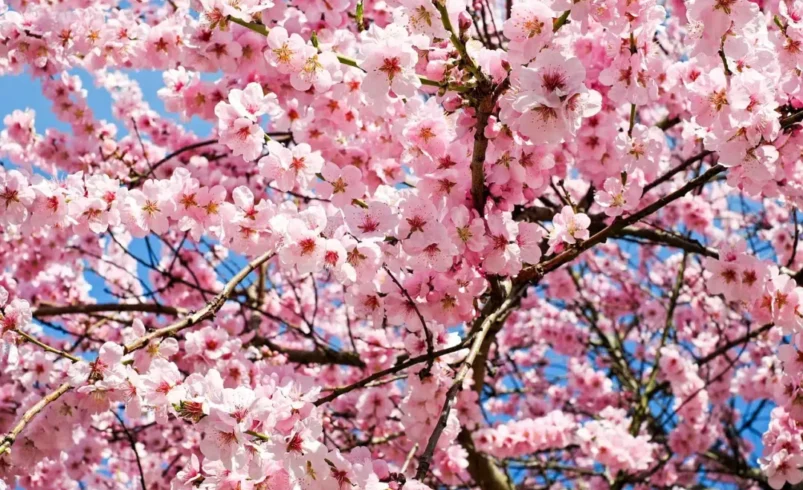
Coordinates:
464 21
452 103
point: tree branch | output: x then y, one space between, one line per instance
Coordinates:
204 313
321 355
207 312
139 180
391 370
35 341
427 332
32 412
45 311
484 327
133 442
602 236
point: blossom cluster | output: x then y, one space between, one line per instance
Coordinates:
423 242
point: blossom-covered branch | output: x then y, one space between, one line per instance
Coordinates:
402 245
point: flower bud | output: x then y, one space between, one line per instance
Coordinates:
464 21
452 103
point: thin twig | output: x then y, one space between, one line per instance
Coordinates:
34 340
133 443
409 458
391 370
136 183
204 313
797 237
427 333
680 168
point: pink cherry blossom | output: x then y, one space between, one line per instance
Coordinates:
289 168
528 28
390 64
401 245
151 207
467 232
285 51
16 195
250 102
372 220
341 185
568 227
241 134
618 198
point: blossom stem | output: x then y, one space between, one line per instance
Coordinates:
258 435
259 28
561 21
457 43
724 62
359 16
780 25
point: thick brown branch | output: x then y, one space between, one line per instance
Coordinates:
478 191
669 239
321 355
486 474
617 226
45 311
668 123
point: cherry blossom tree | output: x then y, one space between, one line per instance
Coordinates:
426 244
